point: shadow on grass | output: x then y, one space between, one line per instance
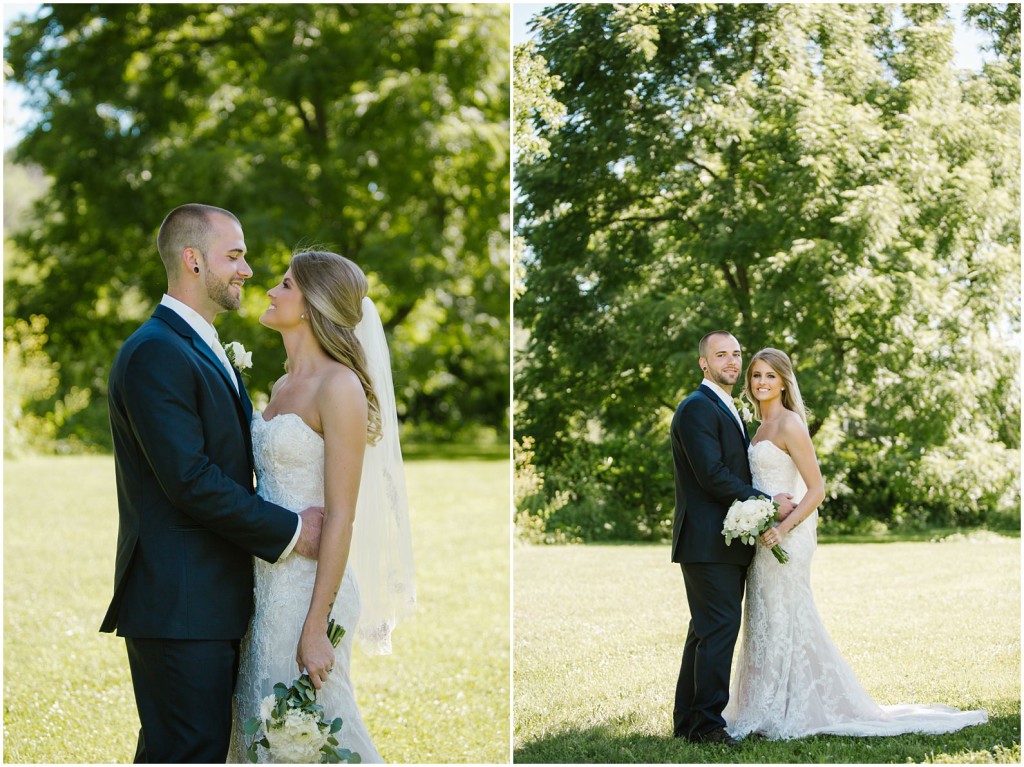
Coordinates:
453 451
924 535
998 741
927 535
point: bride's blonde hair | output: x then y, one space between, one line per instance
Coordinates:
779 362
333 288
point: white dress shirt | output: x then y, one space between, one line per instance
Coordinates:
724 396
208 333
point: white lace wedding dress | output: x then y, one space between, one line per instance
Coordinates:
289 459
790 679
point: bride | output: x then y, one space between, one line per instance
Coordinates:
790 679
327 438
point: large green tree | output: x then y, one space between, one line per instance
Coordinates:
816 178
378 131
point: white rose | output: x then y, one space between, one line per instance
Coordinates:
239 357
298 738
266 708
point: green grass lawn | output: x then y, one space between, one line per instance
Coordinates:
443 696
599 631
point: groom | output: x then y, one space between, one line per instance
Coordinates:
189 520
709 450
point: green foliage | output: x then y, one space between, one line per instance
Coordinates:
817 178
535 100
1002 21
32 414
379 131
533 507
600 629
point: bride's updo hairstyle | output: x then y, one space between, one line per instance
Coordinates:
334 288
779 362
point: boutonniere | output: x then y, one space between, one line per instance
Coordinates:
238 356
743 410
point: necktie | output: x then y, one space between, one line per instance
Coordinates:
218 349
735 413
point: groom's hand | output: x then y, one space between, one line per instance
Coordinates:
308 544
784 501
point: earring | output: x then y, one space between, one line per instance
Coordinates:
302 316
195 269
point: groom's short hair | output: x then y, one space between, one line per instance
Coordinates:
702 348
187 226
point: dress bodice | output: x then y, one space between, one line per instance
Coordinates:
774 471
289 458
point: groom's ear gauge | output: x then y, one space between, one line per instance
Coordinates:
190 255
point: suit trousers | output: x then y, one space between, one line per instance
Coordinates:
183 690
714 593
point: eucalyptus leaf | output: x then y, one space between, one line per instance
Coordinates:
251 726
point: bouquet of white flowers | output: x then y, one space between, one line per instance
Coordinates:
747 519
293 726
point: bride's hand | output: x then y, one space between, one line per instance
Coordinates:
773 536
785 503
315 655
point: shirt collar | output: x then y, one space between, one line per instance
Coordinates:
195 320
722 395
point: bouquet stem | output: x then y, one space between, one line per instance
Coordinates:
780 554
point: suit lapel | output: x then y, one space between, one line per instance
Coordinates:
244 396
247 413
183 328
732 419
204 349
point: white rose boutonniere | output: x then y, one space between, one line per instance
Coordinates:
238 356
743 410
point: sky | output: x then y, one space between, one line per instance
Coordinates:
967 40
17 116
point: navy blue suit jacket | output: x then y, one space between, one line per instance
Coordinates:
189 519
709 452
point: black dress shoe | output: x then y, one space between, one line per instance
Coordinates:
718 735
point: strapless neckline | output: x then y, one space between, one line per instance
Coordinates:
265 422
769 442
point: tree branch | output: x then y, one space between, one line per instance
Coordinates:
702 166
643 219
729 278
